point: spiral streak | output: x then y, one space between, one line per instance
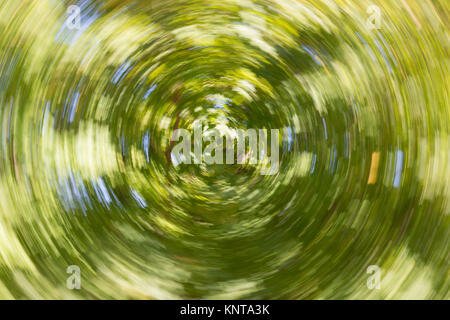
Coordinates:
358 89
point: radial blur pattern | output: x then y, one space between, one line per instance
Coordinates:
358 89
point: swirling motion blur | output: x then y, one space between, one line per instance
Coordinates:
87 176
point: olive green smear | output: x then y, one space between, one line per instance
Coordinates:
358 90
